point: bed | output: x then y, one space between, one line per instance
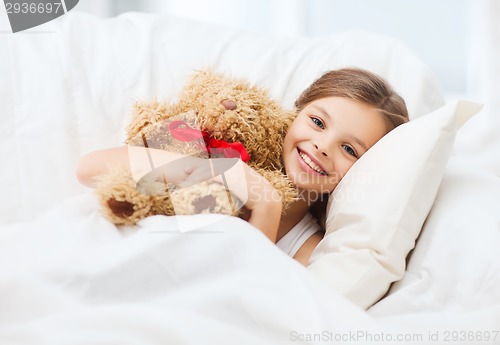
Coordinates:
68 276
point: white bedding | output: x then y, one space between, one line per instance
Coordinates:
71 277
67 276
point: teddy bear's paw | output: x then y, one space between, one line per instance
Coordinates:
120 202
121 209
125 210
207 203
150 186
206 197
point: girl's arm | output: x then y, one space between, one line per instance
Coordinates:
138 160
264 201
259 196
305 251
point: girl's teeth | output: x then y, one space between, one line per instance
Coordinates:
311 163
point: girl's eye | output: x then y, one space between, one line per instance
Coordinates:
350 150
318 122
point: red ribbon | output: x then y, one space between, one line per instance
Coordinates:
216 148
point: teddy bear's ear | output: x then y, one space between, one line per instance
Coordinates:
204 77
144 114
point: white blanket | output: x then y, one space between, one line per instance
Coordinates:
71 277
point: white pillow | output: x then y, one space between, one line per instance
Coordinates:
455 265
376 212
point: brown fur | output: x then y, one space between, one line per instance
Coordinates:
227 108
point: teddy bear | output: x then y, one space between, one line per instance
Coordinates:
215 115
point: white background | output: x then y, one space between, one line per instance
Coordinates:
440 32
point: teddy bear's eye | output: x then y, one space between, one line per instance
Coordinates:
228 104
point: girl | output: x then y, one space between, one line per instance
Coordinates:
339 117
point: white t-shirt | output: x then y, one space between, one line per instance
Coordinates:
295 238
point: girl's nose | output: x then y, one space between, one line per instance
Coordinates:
323 152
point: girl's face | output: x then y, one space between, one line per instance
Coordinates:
328 136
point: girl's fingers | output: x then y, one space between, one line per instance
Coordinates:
206 169
188 170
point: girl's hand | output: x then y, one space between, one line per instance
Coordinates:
186 171
206 169
251 188
177 172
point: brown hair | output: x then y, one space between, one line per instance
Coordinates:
360 85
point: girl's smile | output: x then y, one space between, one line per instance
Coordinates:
310 164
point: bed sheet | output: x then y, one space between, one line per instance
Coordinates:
70 277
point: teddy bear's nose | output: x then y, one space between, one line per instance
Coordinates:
228 104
